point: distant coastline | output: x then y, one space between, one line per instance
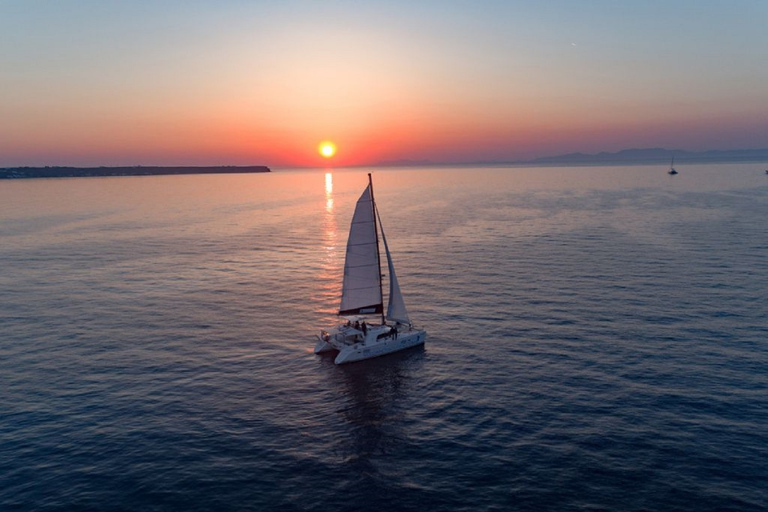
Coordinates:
656 155
643 156
80 172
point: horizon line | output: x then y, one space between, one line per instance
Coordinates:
603 157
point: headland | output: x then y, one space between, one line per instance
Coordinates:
80 172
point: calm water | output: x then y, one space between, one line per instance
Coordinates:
597 341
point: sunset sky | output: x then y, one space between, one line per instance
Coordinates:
182 82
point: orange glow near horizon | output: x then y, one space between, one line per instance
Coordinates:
220 132
434 137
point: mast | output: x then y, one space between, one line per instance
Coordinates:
378 252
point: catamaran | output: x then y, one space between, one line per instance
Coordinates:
368 331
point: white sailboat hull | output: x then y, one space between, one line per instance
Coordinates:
323 346
352 345
377 348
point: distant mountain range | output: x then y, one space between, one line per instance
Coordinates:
404 163
625 156
656 155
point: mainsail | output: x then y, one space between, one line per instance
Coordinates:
361 288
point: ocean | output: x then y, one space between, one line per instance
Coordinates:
597 340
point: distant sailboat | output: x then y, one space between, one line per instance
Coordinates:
672 170
362 295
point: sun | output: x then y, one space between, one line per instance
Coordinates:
326 149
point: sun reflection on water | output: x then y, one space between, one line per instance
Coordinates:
330 274
329 193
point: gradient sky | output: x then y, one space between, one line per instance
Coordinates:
140 82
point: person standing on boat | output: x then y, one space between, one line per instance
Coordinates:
394 331
365 328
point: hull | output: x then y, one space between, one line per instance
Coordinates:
355 345
381 347
323 346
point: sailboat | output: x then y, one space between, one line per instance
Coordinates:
368 332
672 170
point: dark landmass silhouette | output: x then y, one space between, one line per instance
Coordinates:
79 172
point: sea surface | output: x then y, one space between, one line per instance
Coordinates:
597 340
